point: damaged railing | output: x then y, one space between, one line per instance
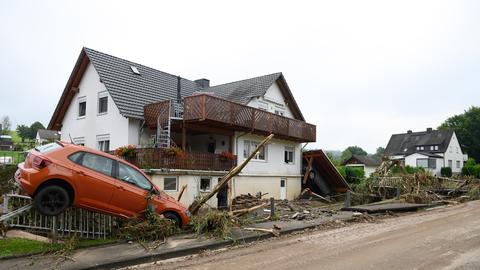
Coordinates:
157 158
73 221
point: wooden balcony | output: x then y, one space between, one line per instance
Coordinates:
157 158
220 112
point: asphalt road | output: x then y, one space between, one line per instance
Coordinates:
447 238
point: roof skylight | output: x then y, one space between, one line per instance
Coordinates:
135 70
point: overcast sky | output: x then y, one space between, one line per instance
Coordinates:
360 70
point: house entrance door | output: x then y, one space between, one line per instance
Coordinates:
222 197
283 189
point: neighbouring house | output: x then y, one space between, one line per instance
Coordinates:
430 149
46 136
6 143
109 102
367 163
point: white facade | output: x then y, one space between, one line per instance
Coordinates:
95 126
271 175
453 157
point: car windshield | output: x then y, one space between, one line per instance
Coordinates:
48 148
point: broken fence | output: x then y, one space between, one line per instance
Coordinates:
73 221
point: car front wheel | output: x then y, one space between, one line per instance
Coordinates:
174 218
51 200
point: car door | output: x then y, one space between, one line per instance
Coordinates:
129 198
95 182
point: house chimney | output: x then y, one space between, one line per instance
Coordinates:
429 130
203 83
409 132
179 90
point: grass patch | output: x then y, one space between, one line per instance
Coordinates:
17 246
16 155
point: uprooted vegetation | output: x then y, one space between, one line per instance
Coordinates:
213 223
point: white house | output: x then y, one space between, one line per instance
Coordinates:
430 149
110 102
367 163
45 136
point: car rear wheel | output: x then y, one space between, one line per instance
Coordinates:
174 218
51 200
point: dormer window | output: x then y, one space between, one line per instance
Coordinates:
135 70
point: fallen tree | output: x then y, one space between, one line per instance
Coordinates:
196 205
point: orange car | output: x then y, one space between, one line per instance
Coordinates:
58 175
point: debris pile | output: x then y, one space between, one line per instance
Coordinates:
304 209
213 223
245 201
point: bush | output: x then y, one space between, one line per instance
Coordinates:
354 175
446 171
6 174
411 170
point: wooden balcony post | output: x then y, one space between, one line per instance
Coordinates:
204 102
184 136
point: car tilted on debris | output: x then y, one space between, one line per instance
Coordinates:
59 175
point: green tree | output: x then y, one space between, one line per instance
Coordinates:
380 151
467 128
23 132
353 150
6 125
34 128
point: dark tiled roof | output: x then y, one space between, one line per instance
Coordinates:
46 134
242 91
366 160
409 141
131 92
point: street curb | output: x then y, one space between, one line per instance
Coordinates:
197 249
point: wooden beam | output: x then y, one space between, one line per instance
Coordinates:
196 205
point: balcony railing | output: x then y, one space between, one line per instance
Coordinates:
223 113
207 107
158 158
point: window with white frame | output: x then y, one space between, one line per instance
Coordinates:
450 163
436 147
102 103
82 106
205 184
103 142
430 163
79 141
170 183
432 148
289 154
279 109
458 164
250 146
262 105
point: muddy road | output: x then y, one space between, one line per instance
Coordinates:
446 238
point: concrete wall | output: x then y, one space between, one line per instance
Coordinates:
93 124
239 185
193 186
266 184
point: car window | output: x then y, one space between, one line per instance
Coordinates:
98 163
76 157
132 176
